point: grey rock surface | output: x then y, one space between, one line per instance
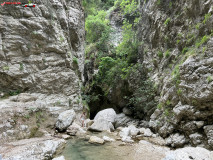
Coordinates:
189 153
65 119
36 148
101 125
106 114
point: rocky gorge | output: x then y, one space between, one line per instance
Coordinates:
159 106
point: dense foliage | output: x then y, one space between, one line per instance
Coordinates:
116 64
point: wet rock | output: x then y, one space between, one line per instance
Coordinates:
101 125
96 140
106 114
65 119
189 153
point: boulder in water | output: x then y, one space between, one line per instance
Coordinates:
96 140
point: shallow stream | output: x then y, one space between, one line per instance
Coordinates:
79 149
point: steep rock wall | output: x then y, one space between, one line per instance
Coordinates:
41 56
178 50
38 46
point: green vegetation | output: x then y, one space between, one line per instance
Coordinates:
210 79
160 106
21 67
75 60
207 16
62 39
179 91
116 64
185 49
167 53
6 68
167 21
178 41
158 2
202 41
160 54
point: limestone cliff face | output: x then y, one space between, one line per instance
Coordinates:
178 50
41 56
42 48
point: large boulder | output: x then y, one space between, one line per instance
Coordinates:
101 125
65 119
189 153
96 140
106 114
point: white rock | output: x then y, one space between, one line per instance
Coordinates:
146 132
95 139
133 130
75 129
59 158
127 139
189 153
108 139
101 125
106 114
65 119
124 132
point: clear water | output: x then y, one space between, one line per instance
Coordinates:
79 149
